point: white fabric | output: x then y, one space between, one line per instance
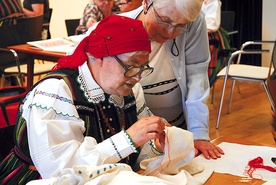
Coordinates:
236 158
212 11
174 167
119 174
55 131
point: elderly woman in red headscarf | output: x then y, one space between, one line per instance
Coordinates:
84 112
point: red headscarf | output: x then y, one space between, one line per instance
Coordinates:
113 35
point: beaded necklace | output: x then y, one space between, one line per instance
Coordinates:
110 129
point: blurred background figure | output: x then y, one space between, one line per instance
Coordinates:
9 8
212 11
94 12
38 7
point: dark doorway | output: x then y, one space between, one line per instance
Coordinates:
248 22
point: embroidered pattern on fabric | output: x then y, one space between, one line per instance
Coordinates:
92 172
115 147
117 101
95 99
129 105
48 108
82 107
51 95
141 109
130 141
163 92
177 118
158 84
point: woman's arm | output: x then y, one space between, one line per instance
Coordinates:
38 9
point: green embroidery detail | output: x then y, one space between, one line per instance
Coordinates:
48 108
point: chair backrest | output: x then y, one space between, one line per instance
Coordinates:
227 20
50 14
26 29
32 27
71 25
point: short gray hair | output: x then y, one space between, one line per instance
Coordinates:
190 9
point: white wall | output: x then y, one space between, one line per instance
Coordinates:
64 9
269 26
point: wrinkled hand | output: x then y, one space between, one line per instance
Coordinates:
209 150
145 129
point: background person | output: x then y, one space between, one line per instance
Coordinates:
9 8
88 116
94 12
179 87
212 12
36 8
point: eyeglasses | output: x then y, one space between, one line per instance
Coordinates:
134 70
169 24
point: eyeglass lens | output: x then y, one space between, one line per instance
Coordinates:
134 70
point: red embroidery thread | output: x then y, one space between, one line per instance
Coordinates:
169 155
255 164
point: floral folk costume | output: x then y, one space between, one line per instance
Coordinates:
66 119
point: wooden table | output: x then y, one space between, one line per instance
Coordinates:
225 179
34 53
